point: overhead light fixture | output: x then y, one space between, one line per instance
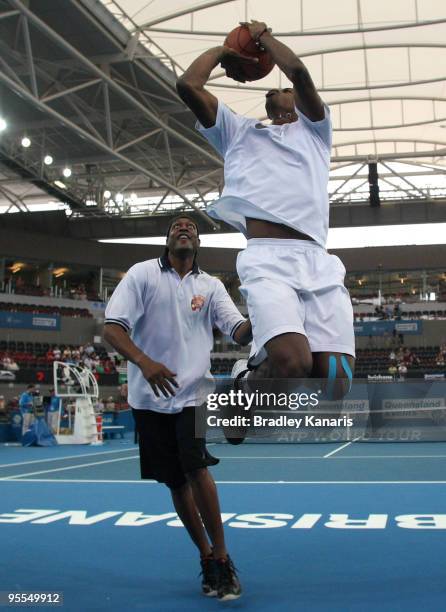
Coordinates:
16 267
26 142
60 184
133 197
107 194
119 198
47 160
3 124
90 203
67 172
58 272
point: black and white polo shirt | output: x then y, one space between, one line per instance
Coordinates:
171 320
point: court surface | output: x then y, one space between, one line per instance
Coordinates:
121 548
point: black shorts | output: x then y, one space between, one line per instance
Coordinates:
168 446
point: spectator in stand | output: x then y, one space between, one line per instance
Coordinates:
407 357
76 358
26 406
52 416
89 349
392 369
415 360
117 359
88 362
397 312
402 369
110 405
9 364
123 392
440 360
66 356
392 355
379 313
108 366
56 353
3 411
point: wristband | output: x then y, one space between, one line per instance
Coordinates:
257 39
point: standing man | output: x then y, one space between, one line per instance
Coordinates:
275 193
26 406
52 415
160 317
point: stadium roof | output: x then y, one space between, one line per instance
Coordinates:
92 83
380 65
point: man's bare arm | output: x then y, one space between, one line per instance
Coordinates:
243 333
155 373
190 86
307 98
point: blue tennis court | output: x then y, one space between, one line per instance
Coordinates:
315 526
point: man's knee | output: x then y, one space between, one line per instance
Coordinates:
338 378
196 475
289 365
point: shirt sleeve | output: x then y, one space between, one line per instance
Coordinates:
225 314
226 127
322 129
126 304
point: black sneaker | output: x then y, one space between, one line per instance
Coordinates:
237 435
209 571
228 583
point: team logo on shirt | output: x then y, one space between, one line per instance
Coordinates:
197 302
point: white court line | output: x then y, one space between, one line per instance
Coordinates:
241 482
336 450
350 457
223 457
81 456
71 467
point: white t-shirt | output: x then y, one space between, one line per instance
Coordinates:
171 320
278 173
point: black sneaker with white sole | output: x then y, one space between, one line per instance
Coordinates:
237 435
209 571
228 583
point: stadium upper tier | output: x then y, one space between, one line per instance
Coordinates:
64 311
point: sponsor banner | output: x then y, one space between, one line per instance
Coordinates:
434 377
28 320
420 408
387 328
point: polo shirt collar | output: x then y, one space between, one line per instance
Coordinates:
165 265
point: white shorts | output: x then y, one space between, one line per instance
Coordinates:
295 286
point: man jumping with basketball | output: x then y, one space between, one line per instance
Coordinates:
276 194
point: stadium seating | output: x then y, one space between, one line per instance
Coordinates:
63 311
35 354
368 362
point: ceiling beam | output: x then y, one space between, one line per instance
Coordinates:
304 33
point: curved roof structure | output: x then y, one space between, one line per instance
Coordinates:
92 84
380 65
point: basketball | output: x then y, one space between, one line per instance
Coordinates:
241 41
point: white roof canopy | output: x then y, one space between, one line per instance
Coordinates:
380 65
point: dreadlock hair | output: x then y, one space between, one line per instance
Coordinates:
184 216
